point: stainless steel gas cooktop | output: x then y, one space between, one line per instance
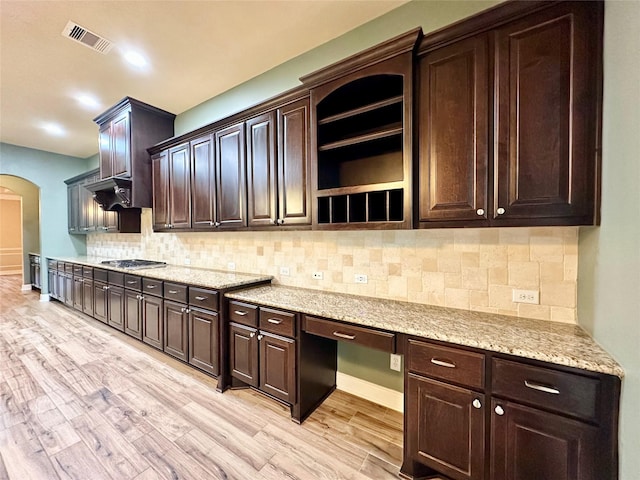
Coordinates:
134 264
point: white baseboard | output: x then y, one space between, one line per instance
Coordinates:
370 391
26 288
45 297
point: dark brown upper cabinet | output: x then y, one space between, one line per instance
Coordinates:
278 183
230 177
361 138
171 172
509 119
203 183
125 132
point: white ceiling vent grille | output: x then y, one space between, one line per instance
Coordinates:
89 39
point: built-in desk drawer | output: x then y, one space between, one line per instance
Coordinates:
152 286
133 282
445 363
563 392
175 291
367 337
243 313
278 322
203 298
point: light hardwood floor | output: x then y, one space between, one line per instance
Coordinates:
79 400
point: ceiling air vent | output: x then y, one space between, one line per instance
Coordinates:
89 39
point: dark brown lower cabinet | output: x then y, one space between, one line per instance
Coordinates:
263 360
203 340
133 313
100 301
277 366
115 307
65 289
176 331
78 296
152 321
243 354
52 276
530 444
446 432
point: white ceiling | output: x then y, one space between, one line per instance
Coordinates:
195 49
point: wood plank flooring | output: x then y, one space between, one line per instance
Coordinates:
79 400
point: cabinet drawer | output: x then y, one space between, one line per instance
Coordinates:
446 363
550 389
133 282
77 270
152 286
175 292
350 333
278 322
243 313
87 272
52 264
100 275
116 278
203 298
68 267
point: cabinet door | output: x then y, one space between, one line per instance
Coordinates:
65 289
152 321
446 432
453 132
529 444
204 340
203 183
175 329
116 310
100 302
546 108
180 187
160 174
243 353
87 296
294 193
277 366
78 293
107 220
73 208
104 144
230 177
37 276
133 314
121 144
261 170
52 276
87 208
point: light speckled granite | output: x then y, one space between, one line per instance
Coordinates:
216 279
553 342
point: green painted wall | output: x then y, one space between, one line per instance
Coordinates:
430 15
47 171
30 194
609 256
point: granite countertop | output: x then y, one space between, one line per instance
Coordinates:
218 279
557 343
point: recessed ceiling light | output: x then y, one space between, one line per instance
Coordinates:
87 101
53 129
135 58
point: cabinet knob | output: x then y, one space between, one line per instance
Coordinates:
166 225
252 334
476 403
260 337
216 224
480 211
500 211
499 410
281 221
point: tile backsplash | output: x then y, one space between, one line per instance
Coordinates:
472 269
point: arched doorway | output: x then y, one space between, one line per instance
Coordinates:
28 227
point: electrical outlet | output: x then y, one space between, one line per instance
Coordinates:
395 362
317 275
187 261
361 278
526 296
284 271
231 266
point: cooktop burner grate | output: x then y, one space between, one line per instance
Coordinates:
134 264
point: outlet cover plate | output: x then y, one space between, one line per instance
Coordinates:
317 275
395 362
360 278
526 296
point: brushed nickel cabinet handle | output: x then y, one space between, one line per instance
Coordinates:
344 335
241 313
173 292
443 363
131 282
275 321
541 388
151 286
199 298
